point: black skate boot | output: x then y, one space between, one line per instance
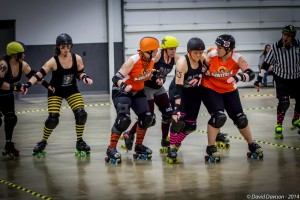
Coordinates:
128 139
256 151
113 156
296 124
278 132
172 155
212 154
39 149
222 141
10 150
165 143
142 152
82 149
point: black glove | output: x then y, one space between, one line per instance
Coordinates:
123 86
16 87
258 81
84 77
27 85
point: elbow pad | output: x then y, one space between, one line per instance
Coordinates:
178 91
118 76
30 74
246 76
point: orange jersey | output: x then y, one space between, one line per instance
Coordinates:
138 75
220 72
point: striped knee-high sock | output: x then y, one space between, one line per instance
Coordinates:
173 138
180 138
47 133
114 138
140 134
79 131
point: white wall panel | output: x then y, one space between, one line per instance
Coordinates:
252 23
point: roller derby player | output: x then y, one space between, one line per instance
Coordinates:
220 93
65 67
186 93
12 66
128 93
156 93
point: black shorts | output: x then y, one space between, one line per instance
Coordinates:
287 87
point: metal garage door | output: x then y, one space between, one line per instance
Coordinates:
252 23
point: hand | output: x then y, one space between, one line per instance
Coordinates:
51 88
125 87
258 83
25 87
87 80
231 80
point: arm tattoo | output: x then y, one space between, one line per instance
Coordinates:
2 68
178 74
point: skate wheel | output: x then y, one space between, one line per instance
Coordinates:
149 156
227 145
206 158
107 159
119 160
135 156
122 137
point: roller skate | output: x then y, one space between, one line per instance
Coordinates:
256 151
164 145
172 155
212 154
278 132
222 141
296 124
128 140
82 149
10 150
113 156
142 152
39 149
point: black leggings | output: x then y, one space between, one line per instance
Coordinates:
229 101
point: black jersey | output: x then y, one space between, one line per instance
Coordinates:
64 80
8 77
163 70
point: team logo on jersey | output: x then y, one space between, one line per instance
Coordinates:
68 80
222 72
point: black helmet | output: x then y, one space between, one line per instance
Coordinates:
226 41
195 44
64 39
289 29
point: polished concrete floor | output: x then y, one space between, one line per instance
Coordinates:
60 175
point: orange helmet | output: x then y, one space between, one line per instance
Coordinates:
148 44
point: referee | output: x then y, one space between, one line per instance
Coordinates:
285 57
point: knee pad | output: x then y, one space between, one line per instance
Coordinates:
241 121
80 116
189 127
177 127
283 104
123 120
145 120
218 119
52 120
10 119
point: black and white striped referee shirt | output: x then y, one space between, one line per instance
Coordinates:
285 61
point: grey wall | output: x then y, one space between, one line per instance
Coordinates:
39 22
